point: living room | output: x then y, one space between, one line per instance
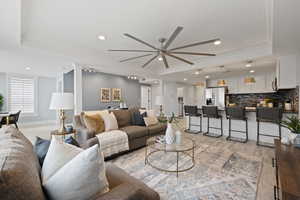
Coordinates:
149 100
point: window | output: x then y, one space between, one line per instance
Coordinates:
21 94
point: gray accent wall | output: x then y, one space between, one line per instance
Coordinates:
45 87
92 82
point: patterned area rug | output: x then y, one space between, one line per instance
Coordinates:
219 174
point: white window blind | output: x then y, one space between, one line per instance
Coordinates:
21 94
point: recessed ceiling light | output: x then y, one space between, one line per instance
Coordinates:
101 37
217 42
207 77
249 64
160 58
252 71
27 68
197 72
185 79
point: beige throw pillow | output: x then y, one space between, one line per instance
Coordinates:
94 123
149 121
99 112
110 122
81 177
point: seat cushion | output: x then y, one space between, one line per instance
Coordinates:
123 117
157 128
19 167
135 131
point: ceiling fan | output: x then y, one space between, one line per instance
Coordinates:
163 51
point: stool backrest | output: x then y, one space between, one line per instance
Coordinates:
236 112
269 114
193 110
186 110
210 111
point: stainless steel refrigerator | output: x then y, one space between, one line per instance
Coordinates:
215 96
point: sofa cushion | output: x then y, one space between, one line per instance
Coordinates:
19 167
117 176
123 117
135 131
94 123
158 128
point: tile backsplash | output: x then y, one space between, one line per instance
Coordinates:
278 98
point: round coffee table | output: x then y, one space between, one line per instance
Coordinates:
186 147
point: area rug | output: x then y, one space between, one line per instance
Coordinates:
219 173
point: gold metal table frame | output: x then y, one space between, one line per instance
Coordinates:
171 148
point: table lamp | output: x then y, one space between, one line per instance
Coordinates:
159 100
62 102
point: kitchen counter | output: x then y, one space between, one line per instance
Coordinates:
254 110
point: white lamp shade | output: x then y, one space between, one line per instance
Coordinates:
62 101
159 100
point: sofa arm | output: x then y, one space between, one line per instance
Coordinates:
123 192
83 134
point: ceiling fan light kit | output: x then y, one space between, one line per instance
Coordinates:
164 51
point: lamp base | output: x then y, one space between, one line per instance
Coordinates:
62 118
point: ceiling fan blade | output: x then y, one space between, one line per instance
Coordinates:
136 57
126 50
141 41
194 44
193 53
165 61
178 58
173 36
149 61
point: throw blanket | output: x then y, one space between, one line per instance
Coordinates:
113 142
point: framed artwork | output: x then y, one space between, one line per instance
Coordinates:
116 94
105 95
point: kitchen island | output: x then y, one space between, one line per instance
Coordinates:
266 128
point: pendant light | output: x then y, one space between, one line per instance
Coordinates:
249 80
221 83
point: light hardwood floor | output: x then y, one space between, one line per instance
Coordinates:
266 180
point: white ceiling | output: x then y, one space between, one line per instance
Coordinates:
66 31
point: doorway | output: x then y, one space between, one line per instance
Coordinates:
146 97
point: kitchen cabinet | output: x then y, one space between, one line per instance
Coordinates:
286 72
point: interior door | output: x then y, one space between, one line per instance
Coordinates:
146 97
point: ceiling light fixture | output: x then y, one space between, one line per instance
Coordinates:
207 77
249 64
101 37
197 72
252 71
249 80
132 77
27 68
217 42
221 83
160 58
185 79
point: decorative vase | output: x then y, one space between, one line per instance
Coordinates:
170 136
121 105
178 136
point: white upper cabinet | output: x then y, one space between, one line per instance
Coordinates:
287 72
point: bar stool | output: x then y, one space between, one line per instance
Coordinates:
192 111
212 112
268 115
237 113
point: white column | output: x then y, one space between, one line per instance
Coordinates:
77 89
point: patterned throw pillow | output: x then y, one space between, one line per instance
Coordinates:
94 123
149 121
138 119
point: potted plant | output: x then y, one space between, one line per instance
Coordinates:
1 102
293 124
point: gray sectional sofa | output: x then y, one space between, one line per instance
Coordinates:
20 174
137 135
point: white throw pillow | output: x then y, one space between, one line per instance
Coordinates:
82 177
110 122
59 153
149 121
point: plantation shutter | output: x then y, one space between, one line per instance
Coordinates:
21 94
